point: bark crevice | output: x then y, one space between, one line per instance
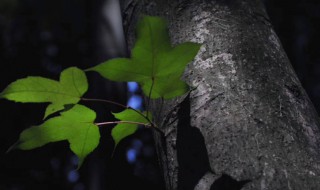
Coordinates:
192 154
226 182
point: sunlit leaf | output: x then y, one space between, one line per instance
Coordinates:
75 125
123 130
154 63
72 85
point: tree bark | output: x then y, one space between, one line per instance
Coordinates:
247 124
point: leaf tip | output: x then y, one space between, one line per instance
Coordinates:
114 149
80 163
78 167
13 147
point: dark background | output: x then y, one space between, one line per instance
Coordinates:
41 38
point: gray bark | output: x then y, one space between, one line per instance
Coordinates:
248 124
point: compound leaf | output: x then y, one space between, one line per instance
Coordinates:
122 130
75 125
72 85
154 64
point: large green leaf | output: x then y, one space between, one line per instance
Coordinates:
154 63
122 130
75 125
72 85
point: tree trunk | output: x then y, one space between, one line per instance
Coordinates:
248 124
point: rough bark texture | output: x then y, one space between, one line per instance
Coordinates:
248 124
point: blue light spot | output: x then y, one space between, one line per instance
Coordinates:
133 86
74 160
135 102
137 144
131 155
73 176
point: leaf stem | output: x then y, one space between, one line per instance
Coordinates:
117 122
120 105
105 101
149 96
130 122
161 106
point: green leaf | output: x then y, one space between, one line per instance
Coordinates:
75 125
123 130
72 85
154 63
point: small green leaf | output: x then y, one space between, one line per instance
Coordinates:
75 125
154 64
123 130
73 84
